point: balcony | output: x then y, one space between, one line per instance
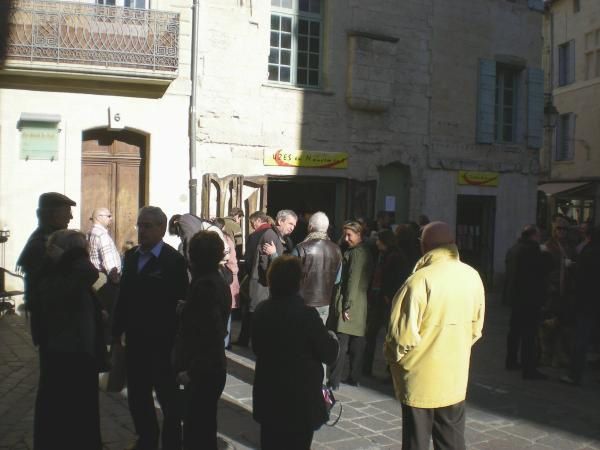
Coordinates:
60 39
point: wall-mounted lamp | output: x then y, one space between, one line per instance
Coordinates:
550 113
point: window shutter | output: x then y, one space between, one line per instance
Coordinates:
486 101
536 5
571 62
558 141
571 144
535 107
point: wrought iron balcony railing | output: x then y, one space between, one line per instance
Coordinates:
88 34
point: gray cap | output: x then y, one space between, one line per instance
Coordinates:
53 200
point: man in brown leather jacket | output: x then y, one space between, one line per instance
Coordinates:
321 264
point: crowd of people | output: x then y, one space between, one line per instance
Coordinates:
309 308
552 288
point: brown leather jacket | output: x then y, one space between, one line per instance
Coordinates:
321 260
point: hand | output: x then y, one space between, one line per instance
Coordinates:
269 248
183 378
346 316
114 275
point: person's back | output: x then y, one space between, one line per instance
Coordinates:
450 301
321 260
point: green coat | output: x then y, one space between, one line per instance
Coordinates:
357 267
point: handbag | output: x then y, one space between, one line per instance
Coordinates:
115 379
330 402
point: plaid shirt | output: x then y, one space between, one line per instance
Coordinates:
103 251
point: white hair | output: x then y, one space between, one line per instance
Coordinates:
284 214
318 222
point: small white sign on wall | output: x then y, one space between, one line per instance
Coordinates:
390 203
115 119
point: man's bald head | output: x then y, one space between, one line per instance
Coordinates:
435 234
102 216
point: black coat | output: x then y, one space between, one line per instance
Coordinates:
147 303
290 343
530 272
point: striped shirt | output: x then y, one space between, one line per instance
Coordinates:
103 251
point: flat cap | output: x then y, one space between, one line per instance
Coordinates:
53 200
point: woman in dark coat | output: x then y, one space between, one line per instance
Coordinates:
391 270
349 309
72 348
291 344
199 350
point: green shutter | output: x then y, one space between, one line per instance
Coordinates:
486 101
535 107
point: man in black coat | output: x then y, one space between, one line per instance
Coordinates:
527 293
290 343
154 279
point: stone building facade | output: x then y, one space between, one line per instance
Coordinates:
570 178
405 90
350 107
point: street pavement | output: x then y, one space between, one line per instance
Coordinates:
503 410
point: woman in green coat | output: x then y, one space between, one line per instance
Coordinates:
349 318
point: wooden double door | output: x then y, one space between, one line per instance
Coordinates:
113 176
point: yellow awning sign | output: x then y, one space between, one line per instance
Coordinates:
488 179
301 158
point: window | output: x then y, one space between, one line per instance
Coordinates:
137 4
295 48
565 137
576 6
505 118
566 63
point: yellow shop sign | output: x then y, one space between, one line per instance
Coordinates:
301 158
488 179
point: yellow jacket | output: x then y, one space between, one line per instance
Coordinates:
436 317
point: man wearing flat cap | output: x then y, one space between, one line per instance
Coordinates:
54 213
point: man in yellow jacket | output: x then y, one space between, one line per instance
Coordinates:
436 317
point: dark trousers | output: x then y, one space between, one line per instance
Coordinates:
446 425
67 413
149 368
200 416
274 438
584 327
523 329
378 316
246 327
355 345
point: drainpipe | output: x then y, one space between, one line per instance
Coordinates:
193 182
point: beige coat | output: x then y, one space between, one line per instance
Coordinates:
436 317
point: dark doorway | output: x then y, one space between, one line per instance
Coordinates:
304 194
475 219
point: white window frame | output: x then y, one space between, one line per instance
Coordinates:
296 15
500 120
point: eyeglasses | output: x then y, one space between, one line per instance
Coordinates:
106 215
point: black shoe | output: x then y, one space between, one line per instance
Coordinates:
351 382
534 375
228 347
241 343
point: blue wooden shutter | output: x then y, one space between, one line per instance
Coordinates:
536 5
571 59
571 145
535 107
486 101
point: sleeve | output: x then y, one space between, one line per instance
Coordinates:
120 314
479 312
405 320
181 280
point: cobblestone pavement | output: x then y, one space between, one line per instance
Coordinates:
503 411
